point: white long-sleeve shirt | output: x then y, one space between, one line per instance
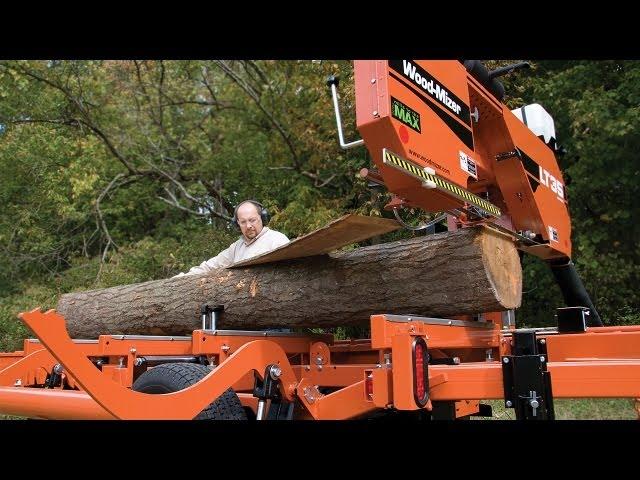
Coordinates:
242 249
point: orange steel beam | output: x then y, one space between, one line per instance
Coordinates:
37 362
466 407
348 402
31 345
40 359
7 359
248 400
382 387
473 380
403 378
603 362
51 404
465 381
444 334
441 336
124 403
333 375
348 346
208 342
200 343
618 328
120 346
594 344
31 348
604 379
585 379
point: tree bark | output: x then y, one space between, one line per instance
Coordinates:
468 271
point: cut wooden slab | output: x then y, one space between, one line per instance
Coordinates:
343 231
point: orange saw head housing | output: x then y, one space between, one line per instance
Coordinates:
443 141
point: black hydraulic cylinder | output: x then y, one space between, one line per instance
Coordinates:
572 288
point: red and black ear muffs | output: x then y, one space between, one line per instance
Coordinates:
264 213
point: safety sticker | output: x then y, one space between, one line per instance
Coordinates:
553 234
468 164
399 163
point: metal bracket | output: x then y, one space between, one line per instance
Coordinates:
54 379
269 389
573 319
527 383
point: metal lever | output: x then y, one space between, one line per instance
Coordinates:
534 403
332 82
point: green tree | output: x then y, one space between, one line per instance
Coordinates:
596 108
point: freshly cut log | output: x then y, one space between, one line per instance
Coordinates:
467 271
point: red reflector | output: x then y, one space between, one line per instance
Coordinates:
368 385
420 371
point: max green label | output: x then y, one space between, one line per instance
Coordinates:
406 115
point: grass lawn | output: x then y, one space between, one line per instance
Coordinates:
579 409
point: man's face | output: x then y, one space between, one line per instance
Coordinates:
249 220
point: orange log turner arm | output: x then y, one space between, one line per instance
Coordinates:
124 403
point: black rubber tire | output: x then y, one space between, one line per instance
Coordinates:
173 377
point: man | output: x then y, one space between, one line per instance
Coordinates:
255 240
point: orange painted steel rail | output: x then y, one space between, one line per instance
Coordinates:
51 404
331 380
124 403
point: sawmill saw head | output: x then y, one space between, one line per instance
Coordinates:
442 140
